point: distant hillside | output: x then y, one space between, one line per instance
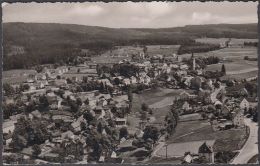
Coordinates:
51 42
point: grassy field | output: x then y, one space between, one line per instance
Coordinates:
229 140
179 149
221 40
16 76
167 50
253 160
159 100
159 97
185 129
236 66
241 76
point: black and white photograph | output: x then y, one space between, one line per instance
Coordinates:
130 83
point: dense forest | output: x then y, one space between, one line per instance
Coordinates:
44 43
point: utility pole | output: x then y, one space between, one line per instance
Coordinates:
166 151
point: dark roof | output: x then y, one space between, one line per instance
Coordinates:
204 148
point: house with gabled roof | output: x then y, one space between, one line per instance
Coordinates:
244 104
206 151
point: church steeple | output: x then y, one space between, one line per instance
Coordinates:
194 62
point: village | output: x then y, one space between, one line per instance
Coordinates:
86 112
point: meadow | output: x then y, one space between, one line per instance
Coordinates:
17 76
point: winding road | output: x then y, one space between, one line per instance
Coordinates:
251 146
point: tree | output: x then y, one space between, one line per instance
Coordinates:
39 68
255 117
144 107
143 116
8 89
246 58
86 101
88 116
123 132
36 150
117 81
196 83
79 101
151 132
251 88
130 94
223 69
43 102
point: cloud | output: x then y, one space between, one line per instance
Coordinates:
157 9
200 18
132 14
90 10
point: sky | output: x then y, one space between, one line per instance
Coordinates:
133 15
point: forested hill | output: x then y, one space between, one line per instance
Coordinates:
50 42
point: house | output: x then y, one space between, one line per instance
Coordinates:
244 105
61 70
126 81
113 155
187 80
243 92
126 145
206 151
105 82
51 97
184 67
238 118
185 95
76 126
181 73
214 124
60 82
225 111
98 110
36 114
39 85
133 80
120 122
139 133
188 158
186 106
147 80
40 76
65 116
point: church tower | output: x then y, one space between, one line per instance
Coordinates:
194 64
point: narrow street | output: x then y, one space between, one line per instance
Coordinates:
251 146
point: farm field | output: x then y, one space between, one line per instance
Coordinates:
179 149
233 57
231 53
159 97
125 52
229 140
221 40
196 133
167 50
159 100
234 67
107 59
16 76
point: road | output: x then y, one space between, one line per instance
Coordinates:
251 147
